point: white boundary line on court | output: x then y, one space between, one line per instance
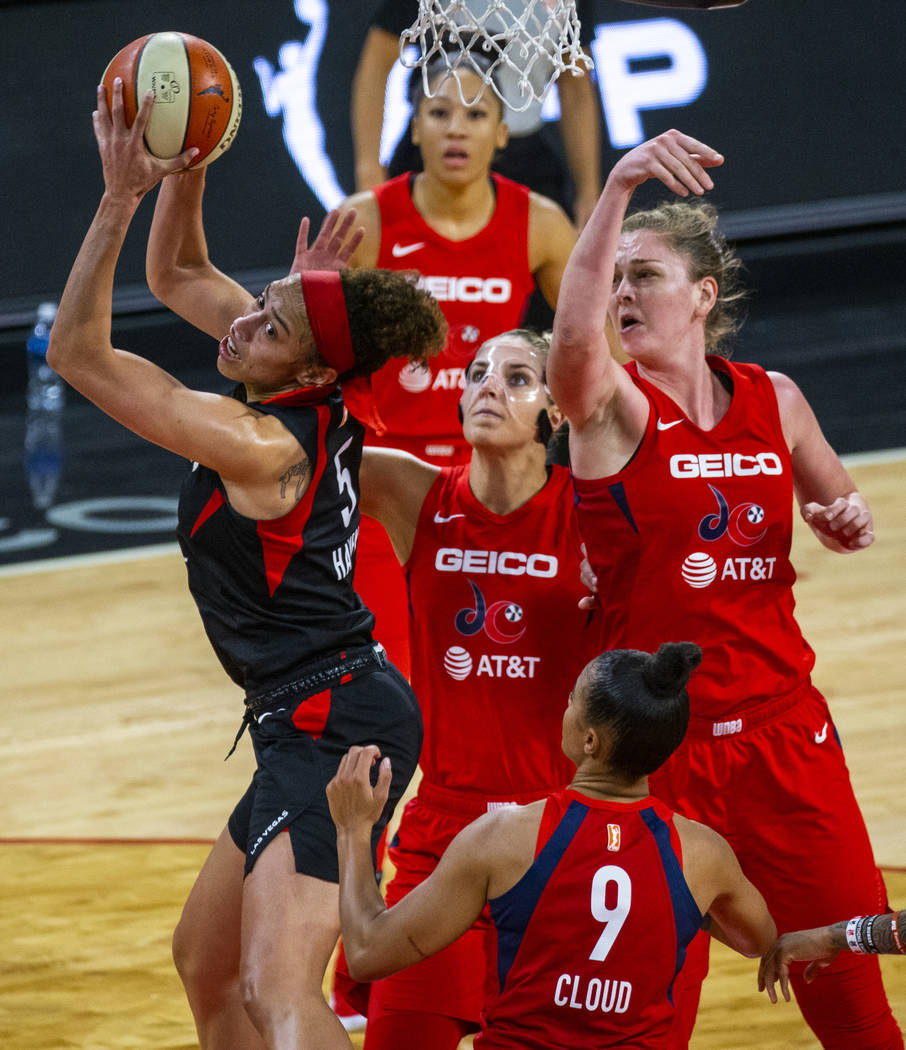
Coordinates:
84 561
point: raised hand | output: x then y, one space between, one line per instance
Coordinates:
333 247
678 160
130 170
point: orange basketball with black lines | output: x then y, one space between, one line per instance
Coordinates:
197 100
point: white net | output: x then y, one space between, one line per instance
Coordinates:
519 47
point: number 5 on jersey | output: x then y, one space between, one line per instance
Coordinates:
344 484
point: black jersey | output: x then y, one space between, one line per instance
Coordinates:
276 594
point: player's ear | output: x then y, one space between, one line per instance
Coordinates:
592 742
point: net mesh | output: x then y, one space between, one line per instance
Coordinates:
519 47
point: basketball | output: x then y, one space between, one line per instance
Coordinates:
197 100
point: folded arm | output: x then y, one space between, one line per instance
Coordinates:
177 267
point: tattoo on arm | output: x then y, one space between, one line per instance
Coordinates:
882 935
838 935
298 474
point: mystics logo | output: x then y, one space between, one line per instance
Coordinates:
496 620
743 524
502 622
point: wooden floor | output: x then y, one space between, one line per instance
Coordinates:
116 718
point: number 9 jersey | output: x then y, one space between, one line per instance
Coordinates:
591 938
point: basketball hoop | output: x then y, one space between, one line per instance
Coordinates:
526 42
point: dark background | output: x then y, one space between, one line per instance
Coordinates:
804 98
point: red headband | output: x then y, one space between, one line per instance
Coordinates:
329 322
326 308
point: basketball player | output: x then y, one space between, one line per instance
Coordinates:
864 934
480 242
267 521
490 552
594 893
534 153
685 468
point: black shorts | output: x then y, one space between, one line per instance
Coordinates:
298 747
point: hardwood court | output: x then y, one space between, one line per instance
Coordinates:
117 717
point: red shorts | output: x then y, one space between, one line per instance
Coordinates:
776 786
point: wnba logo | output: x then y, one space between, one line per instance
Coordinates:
613 838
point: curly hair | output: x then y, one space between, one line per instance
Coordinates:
389 316
690 229
641 699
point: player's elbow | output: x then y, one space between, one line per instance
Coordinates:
161 279
363 965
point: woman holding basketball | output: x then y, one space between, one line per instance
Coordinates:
267 524
685 467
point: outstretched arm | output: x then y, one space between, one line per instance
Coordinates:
379 941
736 912
393 488
215 430
828 499
584 378
872 934
581 374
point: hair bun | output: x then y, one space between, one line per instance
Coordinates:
669 669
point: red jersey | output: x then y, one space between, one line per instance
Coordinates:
691 542
497 639
482 285
591 938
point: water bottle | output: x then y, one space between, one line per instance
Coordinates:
43 421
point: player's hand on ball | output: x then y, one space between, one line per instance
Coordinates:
129 169
352 799
678 160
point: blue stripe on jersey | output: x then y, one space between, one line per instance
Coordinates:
618 492
687 917
512 911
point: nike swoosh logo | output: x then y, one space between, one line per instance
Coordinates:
821 735
399 250
661 425
438 520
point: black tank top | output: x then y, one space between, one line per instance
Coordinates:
274 595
